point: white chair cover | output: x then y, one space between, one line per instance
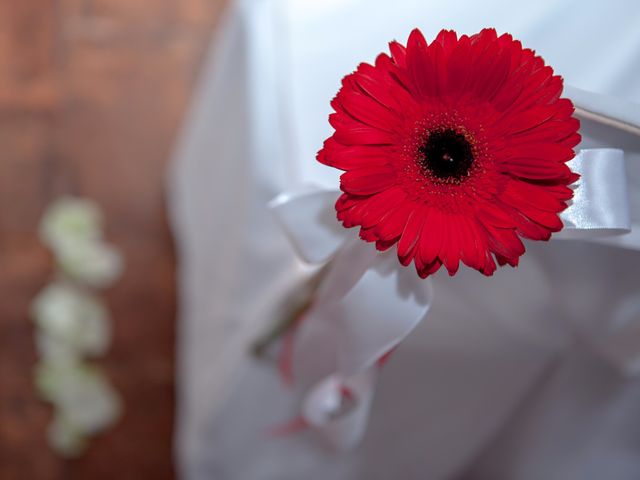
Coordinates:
527 375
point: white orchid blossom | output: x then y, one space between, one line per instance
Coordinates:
80 393
71 319
64 438
92 262
70 219
74 324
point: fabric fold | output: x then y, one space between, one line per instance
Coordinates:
363 332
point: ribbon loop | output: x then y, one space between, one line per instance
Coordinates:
600 206
308 219
363 333
343 426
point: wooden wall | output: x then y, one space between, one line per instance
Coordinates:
91 95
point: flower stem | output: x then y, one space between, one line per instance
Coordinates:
295 309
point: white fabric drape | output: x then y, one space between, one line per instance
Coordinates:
527 375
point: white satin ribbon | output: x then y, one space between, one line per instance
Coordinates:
363 331
360 329
600 205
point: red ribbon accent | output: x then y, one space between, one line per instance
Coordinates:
296 425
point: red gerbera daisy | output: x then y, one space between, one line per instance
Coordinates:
453 150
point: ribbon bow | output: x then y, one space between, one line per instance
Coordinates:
358 333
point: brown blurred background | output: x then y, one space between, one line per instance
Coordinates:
91 95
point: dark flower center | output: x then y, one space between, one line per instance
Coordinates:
447 154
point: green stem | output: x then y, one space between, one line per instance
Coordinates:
295 308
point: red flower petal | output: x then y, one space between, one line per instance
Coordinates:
392 225
364 109
367 181
451 247
398 54
453 150
421 66
353 157
381 204
411 235
532 168
352 132
431 240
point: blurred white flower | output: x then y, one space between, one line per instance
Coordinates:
65 439
55 350
72 321
70 219
73 324
81 395
94 262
